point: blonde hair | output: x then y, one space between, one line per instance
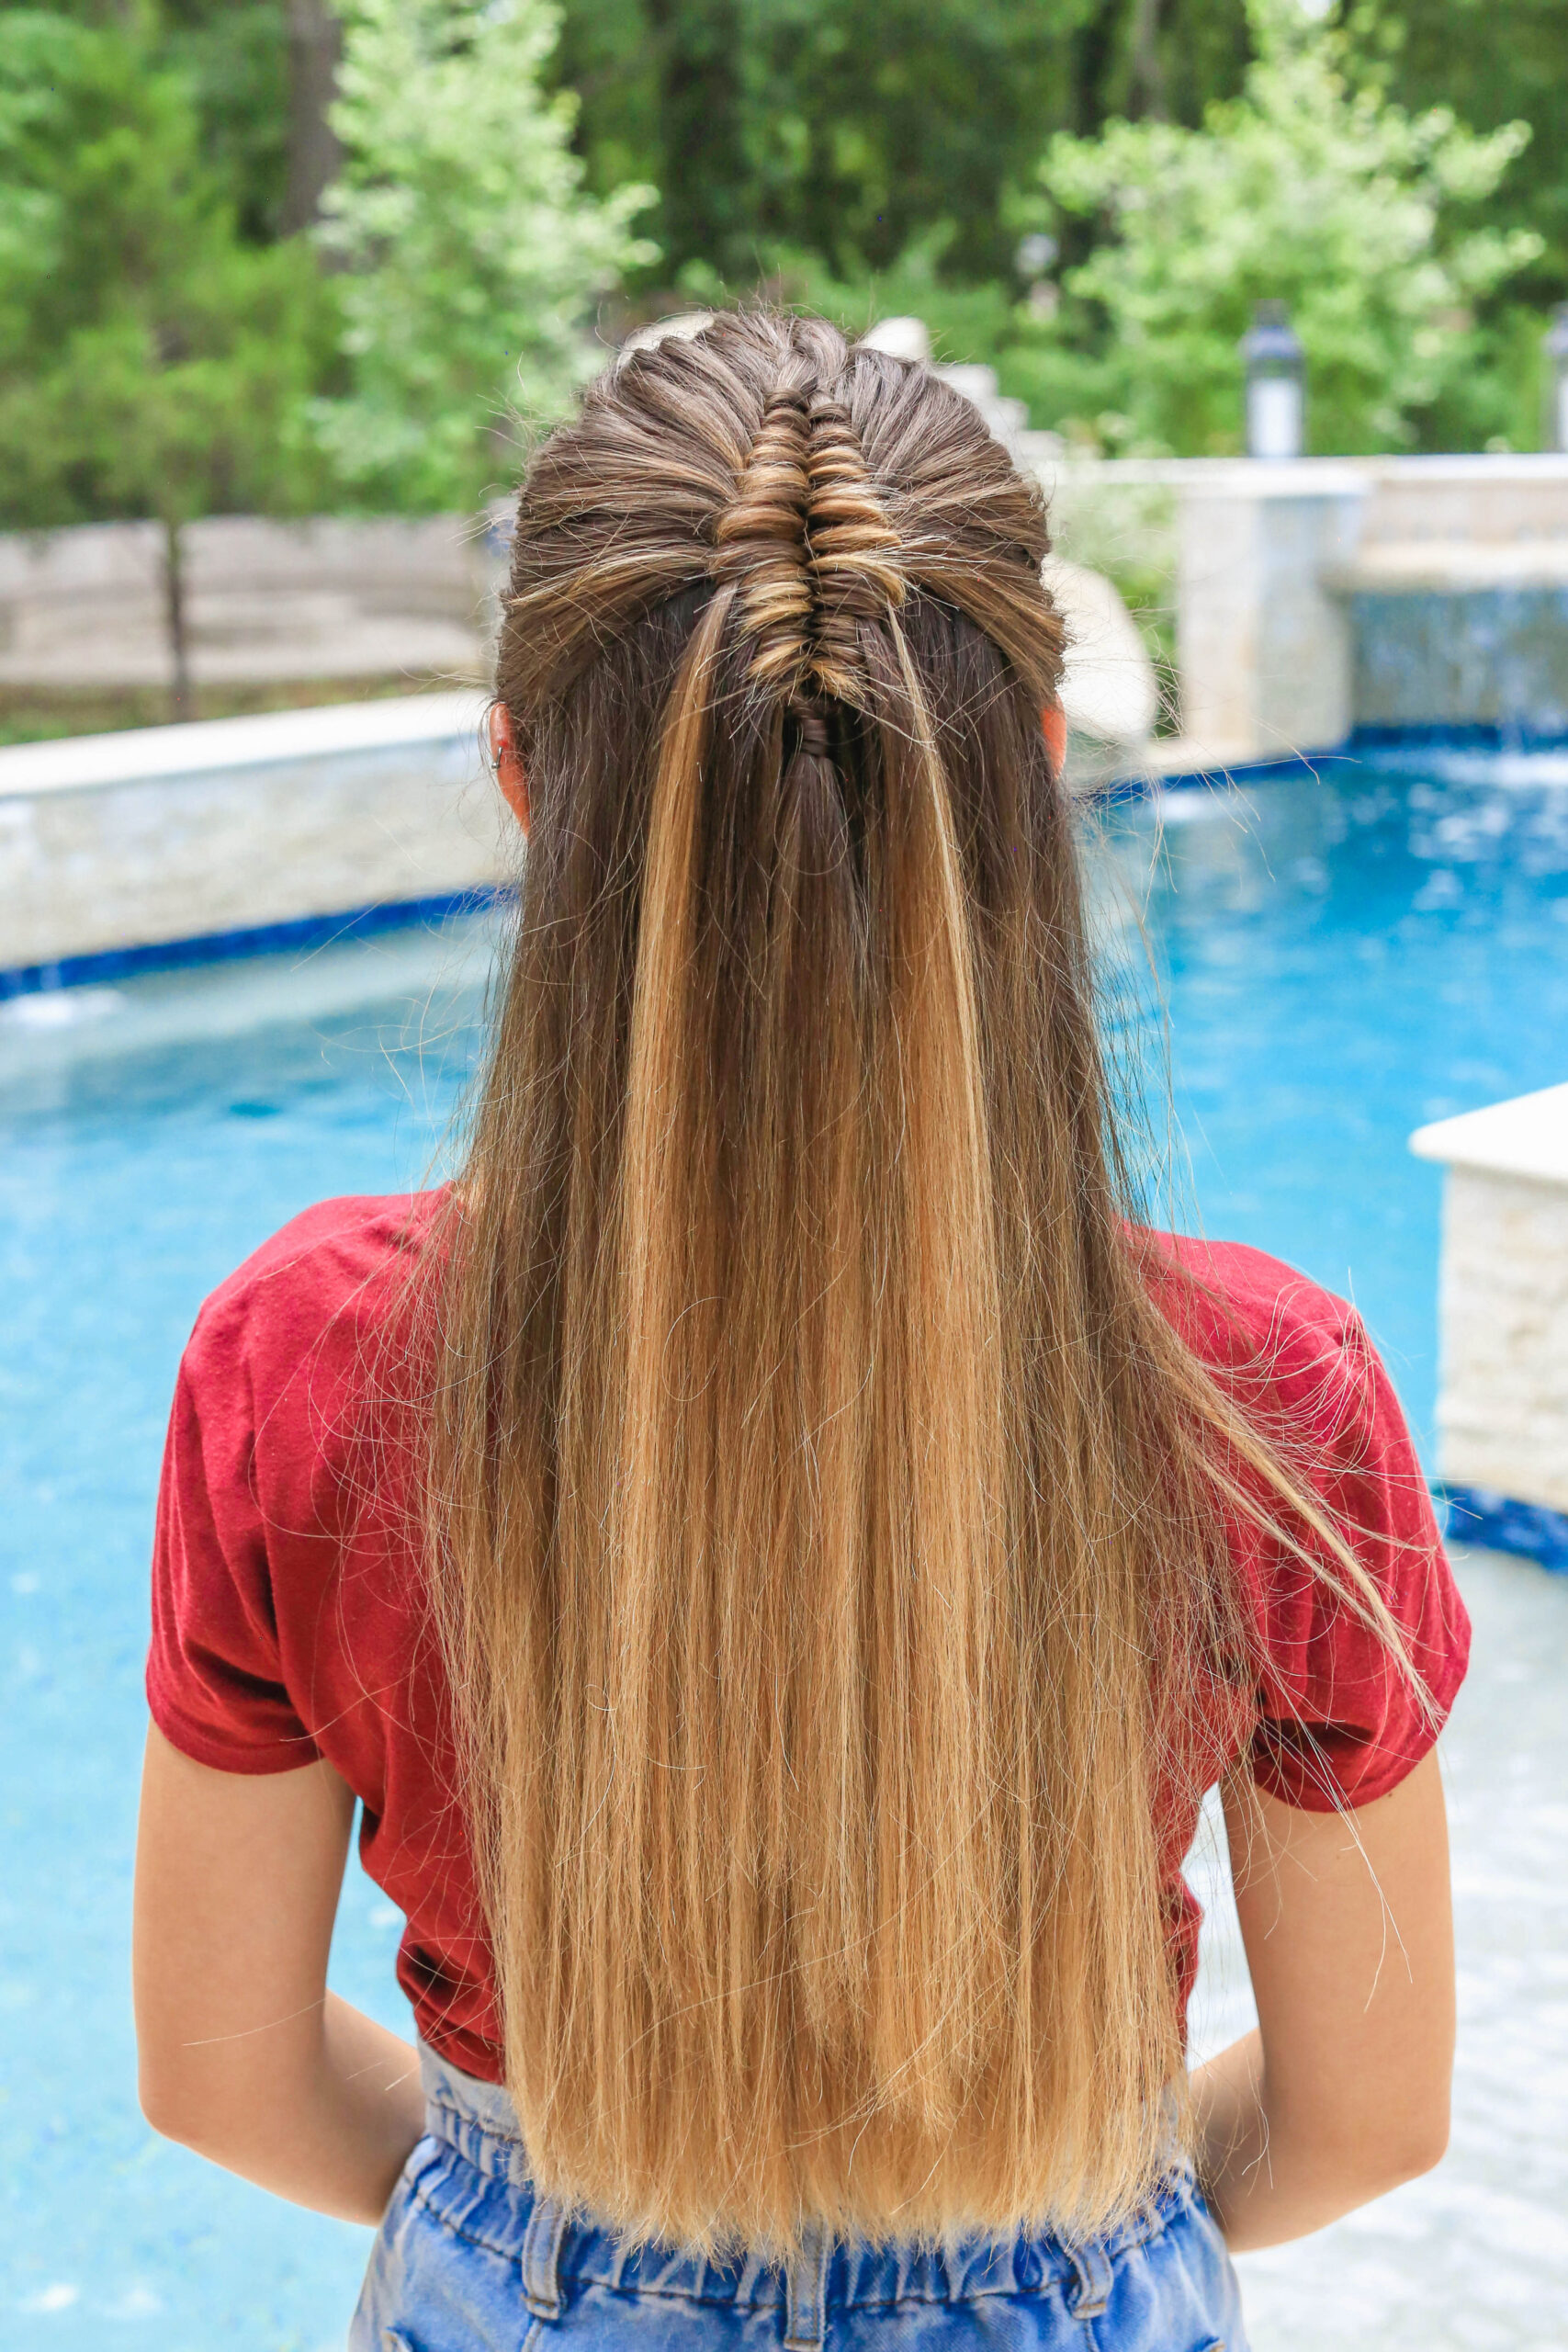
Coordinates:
828 1528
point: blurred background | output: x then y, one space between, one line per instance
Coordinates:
1271 297
281 260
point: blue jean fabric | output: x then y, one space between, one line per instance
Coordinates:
468 2260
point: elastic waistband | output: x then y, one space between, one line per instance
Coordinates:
556 2248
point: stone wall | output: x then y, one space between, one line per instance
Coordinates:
335 596
181 832
1307 598
1314 597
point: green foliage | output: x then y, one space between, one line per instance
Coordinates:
967 320
233 58
853 134
472 253
1312 187
869 129
163 350
1493 62
152 365
235 53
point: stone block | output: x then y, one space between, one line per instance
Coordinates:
1502 1298
1265 646
329 596
171 834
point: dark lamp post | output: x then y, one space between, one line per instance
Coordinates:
1276 384
1556 349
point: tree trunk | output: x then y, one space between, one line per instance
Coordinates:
315 43
703 182
182 702
1147 76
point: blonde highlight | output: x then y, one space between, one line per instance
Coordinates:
825 1522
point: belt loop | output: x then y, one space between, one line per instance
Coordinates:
806 2309
541 2259
1092 2281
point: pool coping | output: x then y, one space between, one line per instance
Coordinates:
266 739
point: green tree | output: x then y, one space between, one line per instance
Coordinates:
1493 62
1161 58
153 366
235 55
1312 188
852 134
472 254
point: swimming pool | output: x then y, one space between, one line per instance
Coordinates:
1339 962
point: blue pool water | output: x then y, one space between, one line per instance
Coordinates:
1338 963
1342 965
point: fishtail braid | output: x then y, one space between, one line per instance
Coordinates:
762 545
806 545
852 547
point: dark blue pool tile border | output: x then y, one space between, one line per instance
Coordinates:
1359 748
1497 1523
233 946
1479 735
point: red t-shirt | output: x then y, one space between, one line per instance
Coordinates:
288 1623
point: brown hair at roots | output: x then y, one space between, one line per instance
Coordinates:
826 1526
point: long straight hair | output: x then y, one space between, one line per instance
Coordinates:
826 1525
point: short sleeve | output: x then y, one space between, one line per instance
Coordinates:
214 1680
1340 1722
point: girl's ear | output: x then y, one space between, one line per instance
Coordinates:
1053 726
509 773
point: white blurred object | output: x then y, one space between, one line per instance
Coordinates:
1005 418
60 1007
910 339
1109 688
681 328
901 339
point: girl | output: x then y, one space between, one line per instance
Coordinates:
775 1552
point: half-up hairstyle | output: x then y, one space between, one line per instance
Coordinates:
826 1526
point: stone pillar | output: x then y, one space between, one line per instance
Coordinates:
1264 643
1503 1310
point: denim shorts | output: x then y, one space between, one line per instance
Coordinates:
468 2260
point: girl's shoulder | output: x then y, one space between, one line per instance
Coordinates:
1288 1348
296 1358
1227 1297
1342 1722
283 1485
330 1274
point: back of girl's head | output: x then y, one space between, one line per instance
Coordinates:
818 1520
809 489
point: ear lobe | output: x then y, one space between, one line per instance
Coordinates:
1053 726
509 770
